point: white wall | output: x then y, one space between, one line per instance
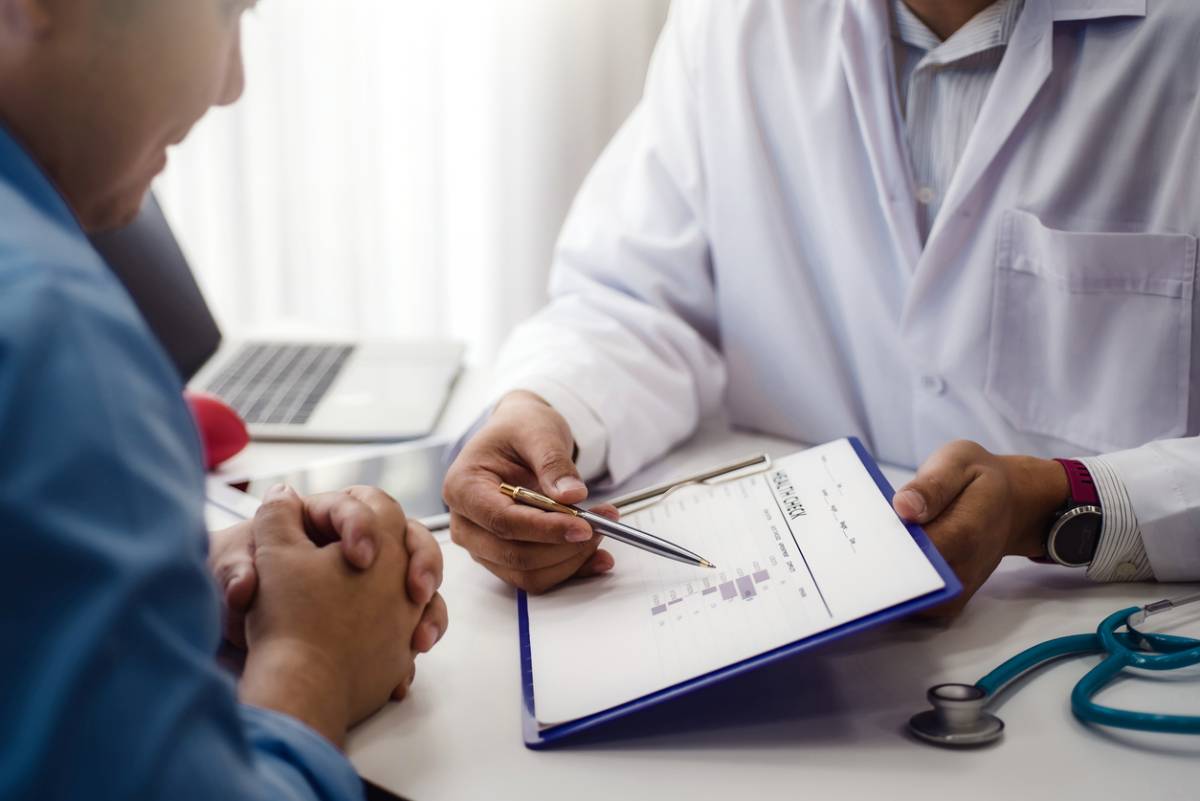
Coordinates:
401 167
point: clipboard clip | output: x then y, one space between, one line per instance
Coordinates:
646 498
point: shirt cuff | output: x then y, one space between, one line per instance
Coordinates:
591 438
295 759
1120 554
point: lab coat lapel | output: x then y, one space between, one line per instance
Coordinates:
1022 74
871 74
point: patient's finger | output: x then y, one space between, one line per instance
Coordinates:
434 622
239 594
342 517
424 564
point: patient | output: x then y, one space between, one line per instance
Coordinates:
111 619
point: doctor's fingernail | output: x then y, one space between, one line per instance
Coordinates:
913 501
569 484
578 534
602 562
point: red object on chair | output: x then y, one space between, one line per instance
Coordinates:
222 431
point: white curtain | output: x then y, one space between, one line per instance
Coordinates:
401 167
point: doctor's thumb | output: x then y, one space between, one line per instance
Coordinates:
927 496
910 505
550 459
940 480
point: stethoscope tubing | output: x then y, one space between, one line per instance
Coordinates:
959 716
1035 656
1124 649
1172 653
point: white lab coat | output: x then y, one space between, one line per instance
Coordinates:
748 242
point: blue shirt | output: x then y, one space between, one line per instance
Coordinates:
110 621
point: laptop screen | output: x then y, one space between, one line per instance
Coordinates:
146 258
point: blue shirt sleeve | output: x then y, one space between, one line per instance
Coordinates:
109 686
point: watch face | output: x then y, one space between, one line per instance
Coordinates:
1075 536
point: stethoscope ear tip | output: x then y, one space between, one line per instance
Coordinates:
957 719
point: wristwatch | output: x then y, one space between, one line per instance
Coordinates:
1075 533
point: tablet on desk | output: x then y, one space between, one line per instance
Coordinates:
411 475
807 551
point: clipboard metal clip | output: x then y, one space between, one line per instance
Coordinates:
657 494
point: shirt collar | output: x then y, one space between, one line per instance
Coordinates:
19 170
990 28
1068 10
1061 11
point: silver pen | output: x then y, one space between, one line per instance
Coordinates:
609 528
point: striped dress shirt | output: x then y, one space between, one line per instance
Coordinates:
942 87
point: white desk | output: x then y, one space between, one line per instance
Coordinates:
826 725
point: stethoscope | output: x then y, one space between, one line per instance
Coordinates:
958 717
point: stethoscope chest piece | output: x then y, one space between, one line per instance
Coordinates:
957 718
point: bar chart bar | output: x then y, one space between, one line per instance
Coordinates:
675 601
728 592
747 587
709 591
761 576
658 610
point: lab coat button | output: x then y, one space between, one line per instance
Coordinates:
933 384
926 195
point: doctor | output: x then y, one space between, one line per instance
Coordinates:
919 222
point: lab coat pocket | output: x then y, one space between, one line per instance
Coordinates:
1091 335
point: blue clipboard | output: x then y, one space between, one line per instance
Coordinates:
538 738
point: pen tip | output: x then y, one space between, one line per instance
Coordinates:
706 563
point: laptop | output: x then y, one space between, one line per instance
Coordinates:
298 390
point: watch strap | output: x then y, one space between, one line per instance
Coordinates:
1082 487
1083 493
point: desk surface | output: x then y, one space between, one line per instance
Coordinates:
828 724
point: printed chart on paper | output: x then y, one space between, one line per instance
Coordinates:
801 548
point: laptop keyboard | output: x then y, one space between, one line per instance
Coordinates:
277 383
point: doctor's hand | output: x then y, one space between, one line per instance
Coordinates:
978 507
526 443
356 519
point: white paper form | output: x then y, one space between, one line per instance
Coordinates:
802 548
